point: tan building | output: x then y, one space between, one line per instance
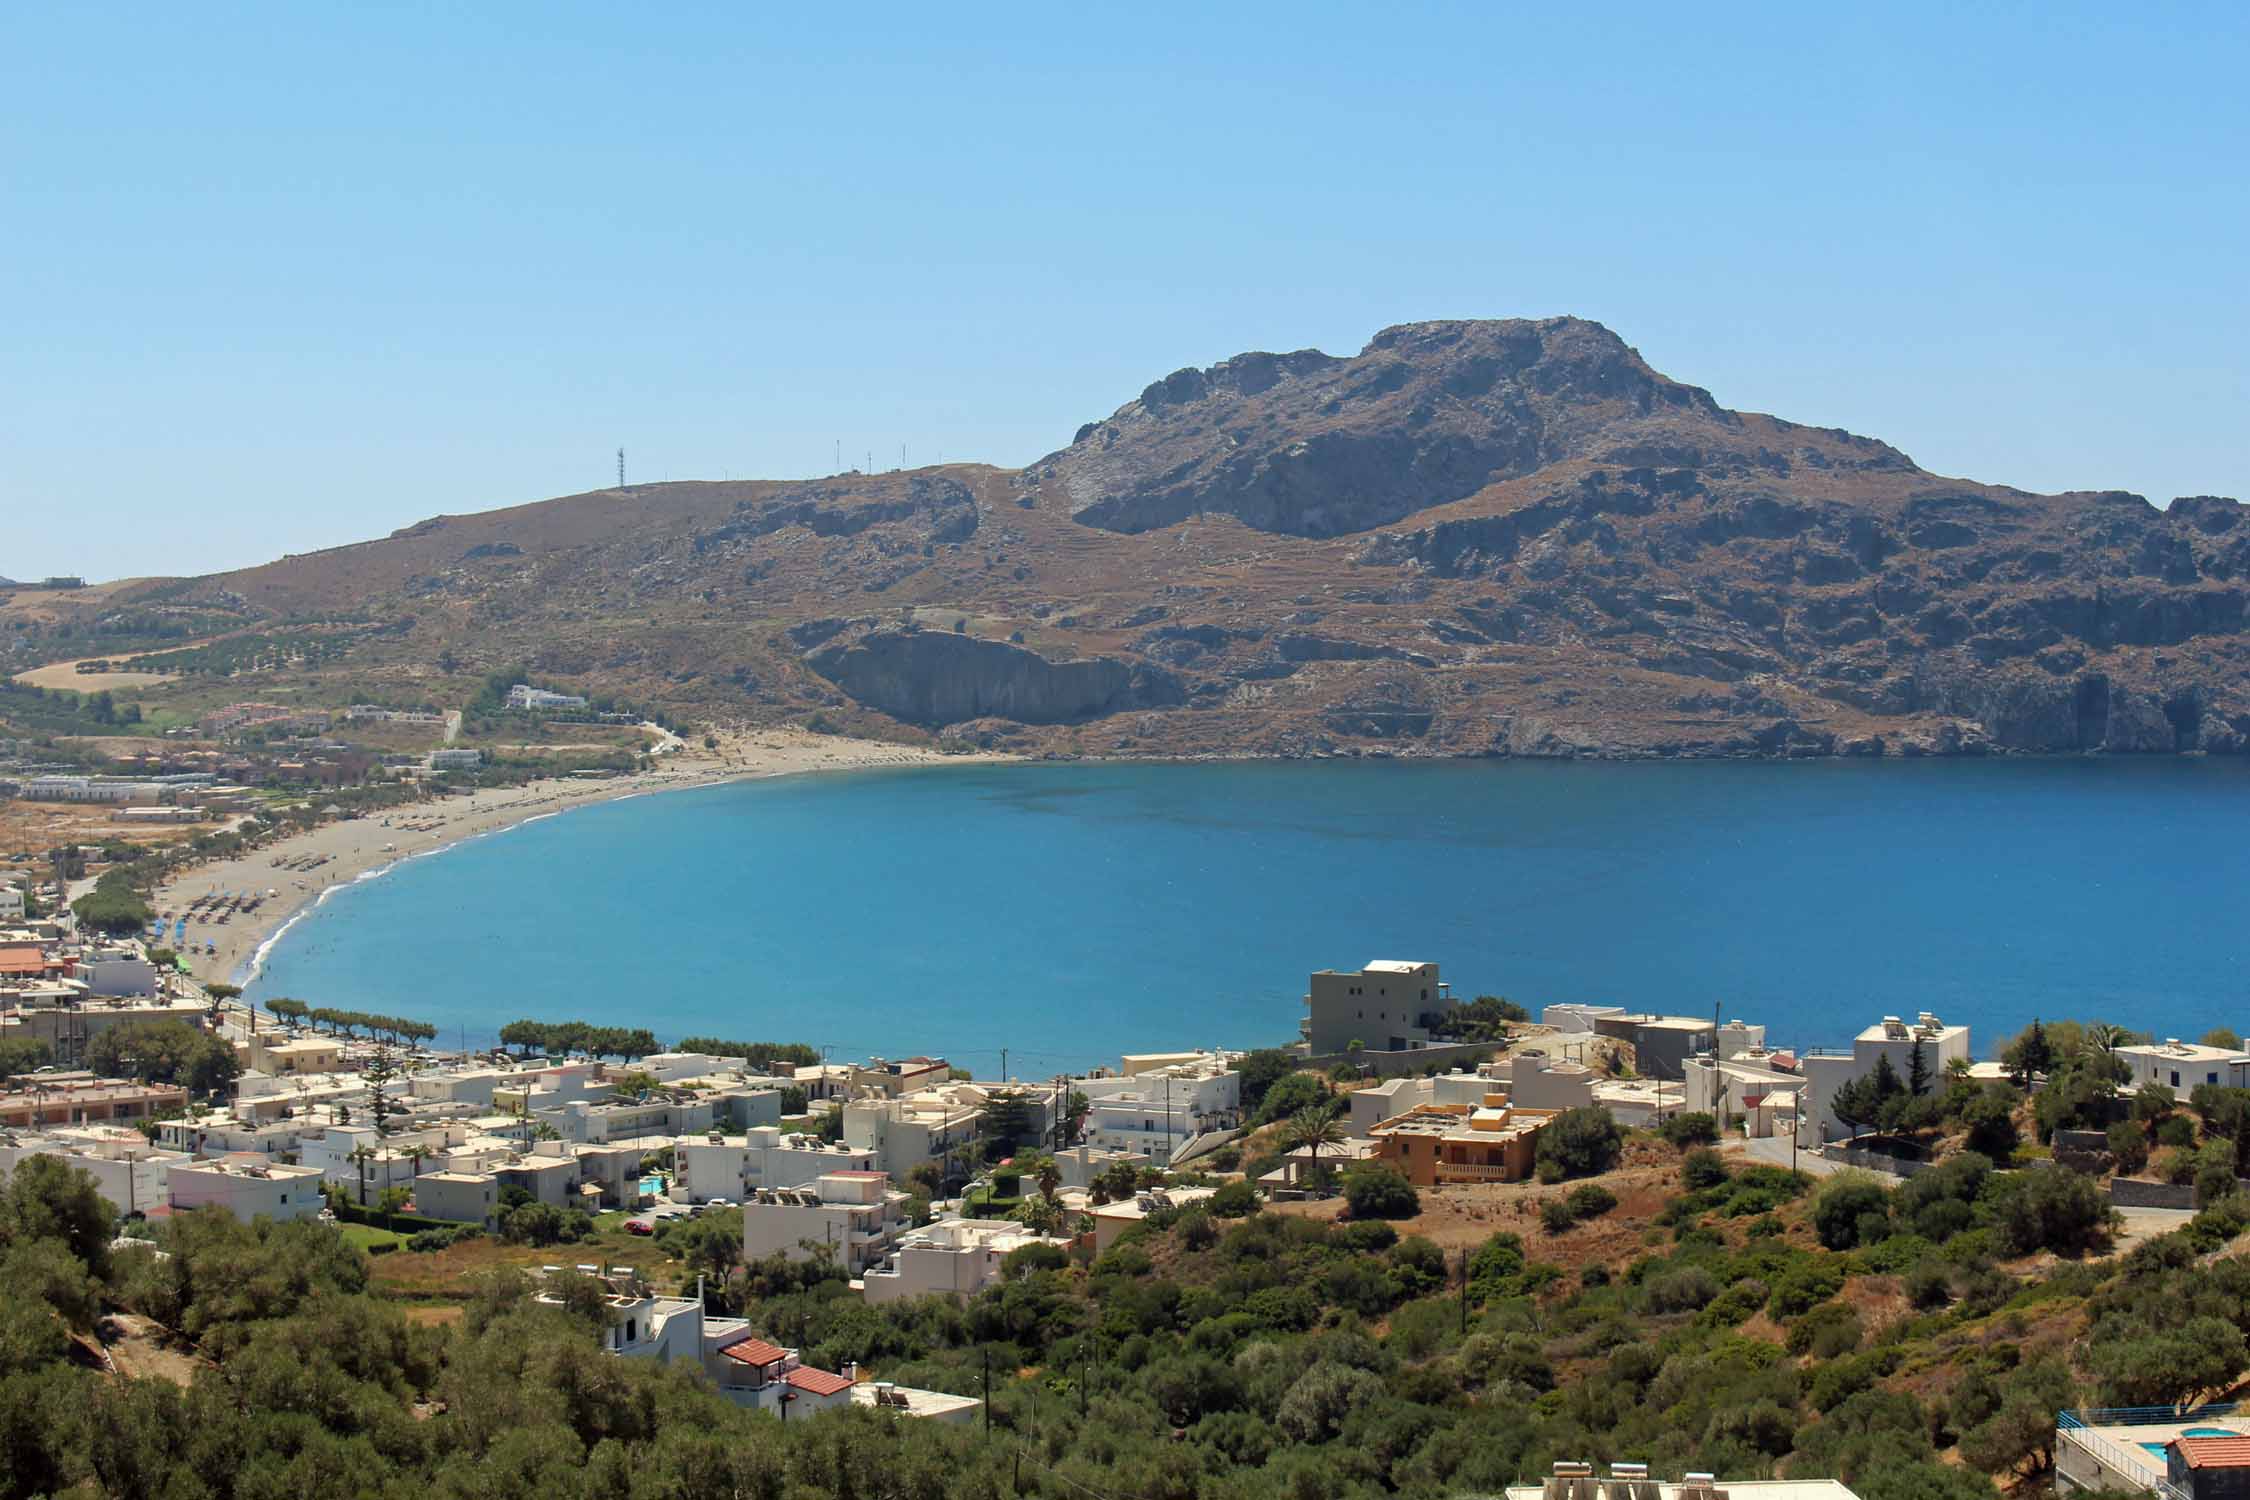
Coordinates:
290 1057
82 1099
1454 1143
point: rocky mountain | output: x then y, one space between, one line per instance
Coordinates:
1470 538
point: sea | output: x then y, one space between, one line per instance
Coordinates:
1066 914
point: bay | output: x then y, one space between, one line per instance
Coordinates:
1074 912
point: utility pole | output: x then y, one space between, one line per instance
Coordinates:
1003 1065
988 1393
1464 1291
621 468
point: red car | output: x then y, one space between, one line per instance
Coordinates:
639 1226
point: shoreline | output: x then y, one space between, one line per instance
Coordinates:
356 849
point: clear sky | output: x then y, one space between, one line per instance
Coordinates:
278 277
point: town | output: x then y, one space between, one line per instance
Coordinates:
910 1178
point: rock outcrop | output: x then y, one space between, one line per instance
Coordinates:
934 679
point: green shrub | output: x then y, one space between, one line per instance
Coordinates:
1236 1200
1703 1168
1804 1287
1591 1200
1829 1330
1696 1128
1582 1142
1555 1216
1374 1191
1847 1205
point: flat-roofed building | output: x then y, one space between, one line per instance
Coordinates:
1112 1219
854 1217
2184 1066
1449 1143
1387 1006
131 1175
457 1197
249 1187
1892 1039
953 1257
82 1099
717 1165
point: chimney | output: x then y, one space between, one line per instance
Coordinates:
850 1371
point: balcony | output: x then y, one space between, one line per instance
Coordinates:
1463 1171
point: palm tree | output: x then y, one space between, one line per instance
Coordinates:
417 1154
1310 1129
1043 1169
360 1156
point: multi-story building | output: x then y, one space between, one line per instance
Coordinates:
1385 1007
954 1257
131 1175
249 1187
716 1165
49 1099
1156 1111
902 1134
855 1217
1890 1038
1447 1143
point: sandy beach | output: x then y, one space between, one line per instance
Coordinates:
297 870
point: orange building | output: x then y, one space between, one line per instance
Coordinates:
1435 1144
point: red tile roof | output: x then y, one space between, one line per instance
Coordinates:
22 961
2215 1452
817 1382
755 1352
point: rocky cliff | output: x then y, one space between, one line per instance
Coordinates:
1469 538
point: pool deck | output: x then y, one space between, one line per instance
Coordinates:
2116 1447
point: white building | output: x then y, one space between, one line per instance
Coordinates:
954 1257
131 1175
853 1216
524 696
716 1165
2183 1066
456 760
249 1187
11 902
924 1126
1891 1037
1156 1111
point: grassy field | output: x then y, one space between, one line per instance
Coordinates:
367 1236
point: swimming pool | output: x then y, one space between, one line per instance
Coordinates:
2161 1450
652 1187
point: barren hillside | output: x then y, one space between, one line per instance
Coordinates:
1470 538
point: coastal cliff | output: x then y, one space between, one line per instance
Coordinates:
1469 538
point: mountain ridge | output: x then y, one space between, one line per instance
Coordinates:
1472 537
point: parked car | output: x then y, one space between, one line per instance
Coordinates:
640 1226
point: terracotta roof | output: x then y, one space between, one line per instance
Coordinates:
818 1382
2215 1452
22 961
755 1352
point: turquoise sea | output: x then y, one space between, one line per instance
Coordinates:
1073 912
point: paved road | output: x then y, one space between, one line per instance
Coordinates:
1774 1151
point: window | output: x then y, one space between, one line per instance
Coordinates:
2175 1078
2210 1078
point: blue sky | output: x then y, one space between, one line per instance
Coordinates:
274 278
